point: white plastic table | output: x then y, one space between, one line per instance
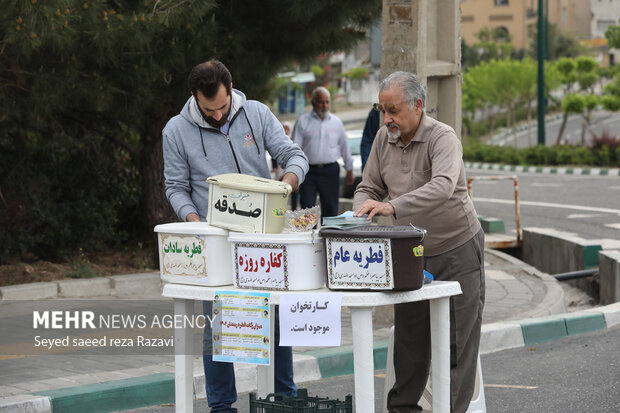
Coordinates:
361 304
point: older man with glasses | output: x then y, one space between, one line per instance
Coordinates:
415 173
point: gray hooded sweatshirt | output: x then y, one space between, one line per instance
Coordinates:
195 151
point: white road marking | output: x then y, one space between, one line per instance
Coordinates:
614 226
510 386
579 216
617 188
550 205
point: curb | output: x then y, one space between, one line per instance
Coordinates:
116 285
557 170
314 365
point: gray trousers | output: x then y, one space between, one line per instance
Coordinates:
412 346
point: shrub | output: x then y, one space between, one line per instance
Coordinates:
605 148
357 73
74 196
512 156
539 155
604 152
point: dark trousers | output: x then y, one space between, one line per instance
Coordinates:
324 180
220 376
412 347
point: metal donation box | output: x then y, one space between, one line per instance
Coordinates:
374 258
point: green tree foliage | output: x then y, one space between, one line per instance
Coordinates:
611 99
558 44
87 85
492 44
612 34
507 84
578 78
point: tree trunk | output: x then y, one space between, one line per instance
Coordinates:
154 201
587 118
513 111
529 122
584 126
492 125
561 132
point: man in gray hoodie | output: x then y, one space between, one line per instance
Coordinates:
219 131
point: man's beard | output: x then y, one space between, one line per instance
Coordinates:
393 135
322 113
212 121
217 123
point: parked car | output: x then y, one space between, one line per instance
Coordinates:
355 139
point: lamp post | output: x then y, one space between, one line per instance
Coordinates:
542 43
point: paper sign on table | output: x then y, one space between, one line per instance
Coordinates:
241 327
310 319
262 266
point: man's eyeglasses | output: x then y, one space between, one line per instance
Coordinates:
388 107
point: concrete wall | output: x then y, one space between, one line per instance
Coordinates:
557 252
609 275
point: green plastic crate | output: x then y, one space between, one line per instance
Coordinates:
278 403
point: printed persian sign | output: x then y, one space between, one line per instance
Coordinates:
310 319
237 208
241 330
359 263
183 255
260 265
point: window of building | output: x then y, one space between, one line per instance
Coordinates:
564 15
502 35
602 25
501 2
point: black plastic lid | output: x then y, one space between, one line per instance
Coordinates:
373 231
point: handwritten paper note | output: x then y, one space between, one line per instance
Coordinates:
241 327
260 265
310 319
183 255
360 263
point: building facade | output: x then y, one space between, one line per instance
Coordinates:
604 13
514 17
585 19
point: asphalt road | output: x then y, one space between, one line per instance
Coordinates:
575 374
527 136
588 206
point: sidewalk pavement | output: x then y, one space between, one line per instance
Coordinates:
523 307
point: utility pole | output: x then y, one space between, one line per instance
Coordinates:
542 43
423 37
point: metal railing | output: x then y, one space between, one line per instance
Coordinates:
502 243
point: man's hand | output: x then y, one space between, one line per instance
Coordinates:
192 217
291 179
350 178
372 208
